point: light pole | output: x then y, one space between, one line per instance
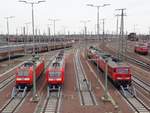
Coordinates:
98 7
85 32
34 66
134 28
27 26
149 33
117 15
54 22
26 35
7 20
64 30
103 21
85 27
49 35
49 30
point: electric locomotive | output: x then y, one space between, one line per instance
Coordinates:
118 71
141 48
55 72
24 73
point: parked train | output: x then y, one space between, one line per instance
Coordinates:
118 72
21 49
141 48
55 72
24 73
132 37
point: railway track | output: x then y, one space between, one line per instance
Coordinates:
141 83
137 104
83 86
140 63
12 104
52 102
4 83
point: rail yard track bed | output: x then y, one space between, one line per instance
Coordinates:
123 107
68 100
6 94
143 58
144 75
71 101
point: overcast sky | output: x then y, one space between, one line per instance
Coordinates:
71 12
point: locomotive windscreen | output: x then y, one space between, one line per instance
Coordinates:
54 74
28 64
23 72
122 70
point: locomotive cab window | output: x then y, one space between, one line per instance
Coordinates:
122 70
23 73
28 64
56 65
54 74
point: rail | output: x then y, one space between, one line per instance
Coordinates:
83 85
141 83
137 104
52 102
13 103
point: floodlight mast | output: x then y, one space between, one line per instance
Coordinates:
98 7
32 3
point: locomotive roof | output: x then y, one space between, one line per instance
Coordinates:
104 55
112 61
58 62
115 62
95 49
29 64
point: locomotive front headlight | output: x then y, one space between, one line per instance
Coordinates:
58 79
18 79
127 78
27 79
50 79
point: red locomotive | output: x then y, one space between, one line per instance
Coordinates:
118 71
141 48
55 72
24 73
